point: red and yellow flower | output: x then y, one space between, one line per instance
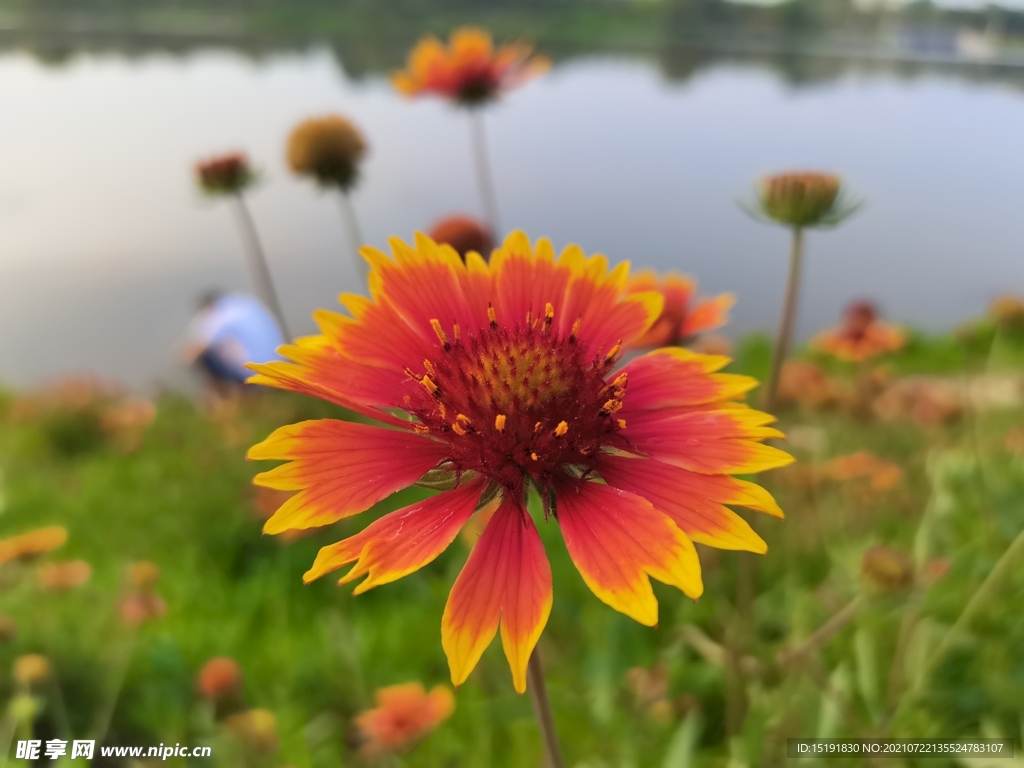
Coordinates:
681 317
503 379
861 335
469 71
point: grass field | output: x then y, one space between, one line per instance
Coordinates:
921 638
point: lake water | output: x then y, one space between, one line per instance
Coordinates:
105 244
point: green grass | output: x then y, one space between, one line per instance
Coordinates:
313 655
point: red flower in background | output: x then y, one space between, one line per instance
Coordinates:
682 316
469 71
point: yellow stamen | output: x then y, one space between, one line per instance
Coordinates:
535 457
457 331
421 429
464 419
439 331
491 315
429 366
442 410
537 427
529 318
549 316
457 429
499 422
611 406
429 385
575 328
561 429
621 423
621 380
613 351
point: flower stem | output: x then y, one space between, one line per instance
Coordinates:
542 709
484 177
355 233
258 261
788 318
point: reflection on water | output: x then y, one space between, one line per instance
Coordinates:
106 245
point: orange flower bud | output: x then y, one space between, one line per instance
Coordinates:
219 677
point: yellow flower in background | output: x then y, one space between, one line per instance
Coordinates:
503 379
31 669
682 316
328 149
470 70
33 543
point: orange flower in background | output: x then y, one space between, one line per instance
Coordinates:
33 543
59 577
403 715
220 677
860 336
883 475
464 234
470 71
681 317
807 385
507 378
224 175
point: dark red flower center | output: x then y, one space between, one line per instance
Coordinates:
517 401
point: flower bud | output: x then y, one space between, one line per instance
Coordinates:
799 199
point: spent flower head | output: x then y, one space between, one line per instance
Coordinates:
227 174
470 71
328 149
803 199
498 382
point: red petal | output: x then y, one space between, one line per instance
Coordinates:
340 468
507 576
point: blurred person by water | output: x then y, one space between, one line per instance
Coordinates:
228 331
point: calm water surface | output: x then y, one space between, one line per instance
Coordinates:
105 244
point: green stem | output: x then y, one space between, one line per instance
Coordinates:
542 709
784 337
484 177
355 233
258 261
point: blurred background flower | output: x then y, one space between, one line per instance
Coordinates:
684 316
404 714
